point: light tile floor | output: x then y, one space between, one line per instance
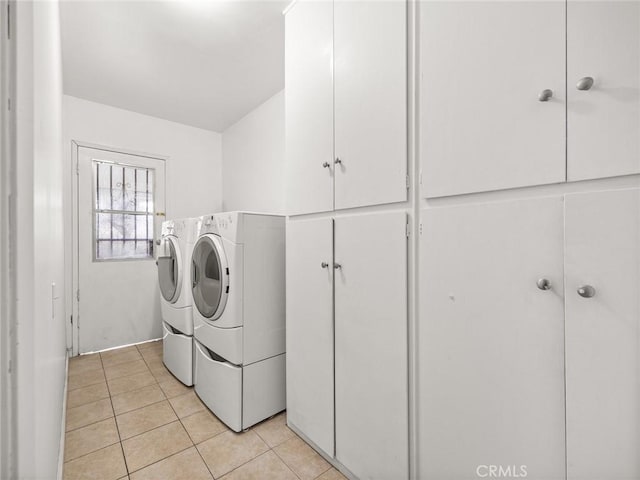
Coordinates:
128 417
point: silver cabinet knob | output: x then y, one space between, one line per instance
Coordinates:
337 161
543 284
545 95
326 165
586 291
585 83
324 265
337 266
158 242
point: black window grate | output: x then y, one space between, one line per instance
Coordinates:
123 211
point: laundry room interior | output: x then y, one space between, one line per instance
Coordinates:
320 239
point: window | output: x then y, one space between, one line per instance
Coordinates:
123 211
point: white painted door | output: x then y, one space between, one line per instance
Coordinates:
603 44
491 343
119 197
309 106
370 102
371 345
310 330
603 335
484 66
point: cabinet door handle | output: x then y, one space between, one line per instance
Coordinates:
337 161
337 266
326 165
545 95
586 291
324 265
543 284
585 83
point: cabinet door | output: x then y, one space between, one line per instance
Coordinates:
484 66
491 343
309 106
370 102
604 121
310 330
371 345
603 335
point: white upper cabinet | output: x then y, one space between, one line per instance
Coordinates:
346 104
486 68
491 341
371 345
602 283
309 106
310 330
603 50
370 102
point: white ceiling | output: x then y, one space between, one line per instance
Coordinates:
204 63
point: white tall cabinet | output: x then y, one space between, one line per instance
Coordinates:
514 348
346 104
530 337
525 93
347 271
347 339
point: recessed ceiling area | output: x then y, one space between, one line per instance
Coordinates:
200 63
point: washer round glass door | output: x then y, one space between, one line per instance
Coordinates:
169 270
209 280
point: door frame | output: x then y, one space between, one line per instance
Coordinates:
72 326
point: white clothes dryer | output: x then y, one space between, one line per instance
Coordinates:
174 273
238 290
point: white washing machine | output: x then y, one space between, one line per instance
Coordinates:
174 274
238 289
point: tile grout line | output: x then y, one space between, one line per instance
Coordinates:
285 462
255 458
151 430
137 390
91 453
190 438
115 420
198 450
101 369
114 378
164 458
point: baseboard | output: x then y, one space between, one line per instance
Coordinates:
334 462
64 418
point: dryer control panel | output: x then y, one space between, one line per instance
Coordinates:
227 225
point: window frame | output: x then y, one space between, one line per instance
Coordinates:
95 211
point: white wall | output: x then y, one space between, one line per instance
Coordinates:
40 348
194 155
253 168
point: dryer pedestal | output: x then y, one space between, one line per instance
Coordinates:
177 354
240 396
